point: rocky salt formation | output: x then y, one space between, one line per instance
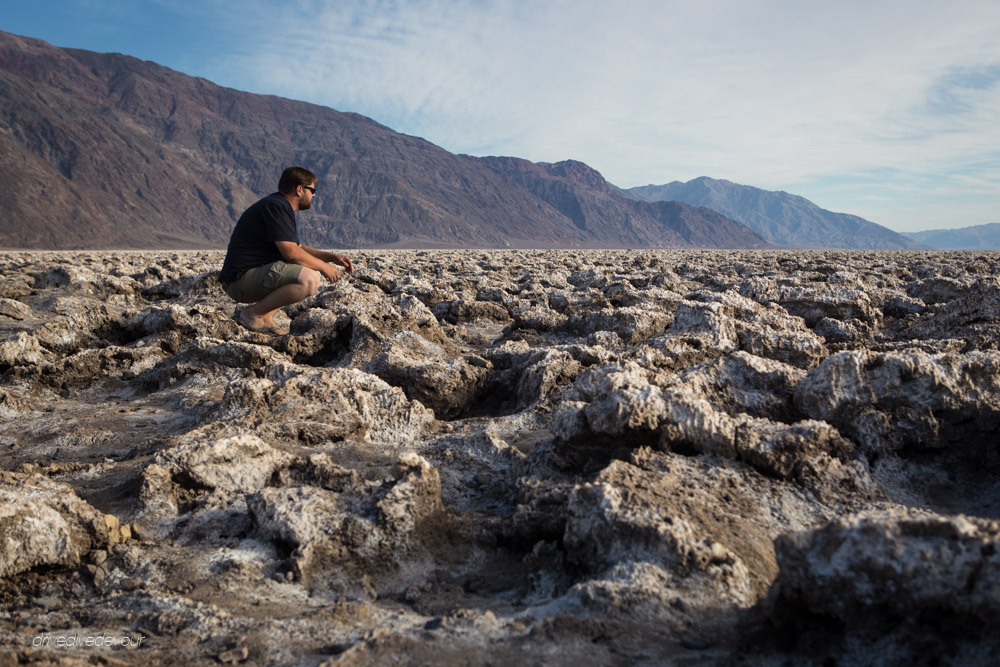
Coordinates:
504 457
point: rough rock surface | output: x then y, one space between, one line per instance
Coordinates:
504 457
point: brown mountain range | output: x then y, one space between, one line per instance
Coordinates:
107 151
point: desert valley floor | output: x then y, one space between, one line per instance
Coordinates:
504 458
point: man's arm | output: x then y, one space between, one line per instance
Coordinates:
296 254
340 260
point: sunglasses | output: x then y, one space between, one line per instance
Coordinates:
310 188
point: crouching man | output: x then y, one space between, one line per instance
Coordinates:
266 265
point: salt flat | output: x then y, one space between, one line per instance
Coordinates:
504 457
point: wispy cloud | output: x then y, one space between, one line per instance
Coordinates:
964 90
775 94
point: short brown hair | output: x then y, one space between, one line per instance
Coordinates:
293 177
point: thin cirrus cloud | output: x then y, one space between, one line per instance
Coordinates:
964 90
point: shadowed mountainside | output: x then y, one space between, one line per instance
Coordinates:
107 151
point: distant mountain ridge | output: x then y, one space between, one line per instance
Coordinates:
779 217
584 197
976 237
107 151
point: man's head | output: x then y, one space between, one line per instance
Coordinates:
298 185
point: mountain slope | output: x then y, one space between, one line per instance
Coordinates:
594 205
105 151
779 217
134 154
977 237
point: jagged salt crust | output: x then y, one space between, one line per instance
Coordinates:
499 457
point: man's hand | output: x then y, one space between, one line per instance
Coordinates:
332 273
344 261
318 260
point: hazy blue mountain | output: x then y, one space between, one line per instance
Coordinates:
779 217
977 237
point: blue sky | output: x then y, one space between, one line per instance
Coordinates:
887 109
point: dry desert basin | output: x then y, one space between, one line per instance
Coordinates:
503 458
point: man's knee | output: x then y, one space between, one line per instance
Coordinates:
309 279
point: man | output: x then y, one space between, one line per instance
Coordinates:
266 265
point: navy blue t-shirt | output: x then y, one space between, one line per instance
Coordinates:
252 243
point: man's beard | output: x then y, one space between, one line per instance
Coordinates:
303 205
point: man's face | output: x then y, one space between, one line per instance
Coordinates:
306 194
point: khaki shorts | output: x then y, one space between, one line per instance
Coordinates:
257 283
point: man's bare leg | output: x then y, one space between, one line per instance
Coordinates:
261 314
